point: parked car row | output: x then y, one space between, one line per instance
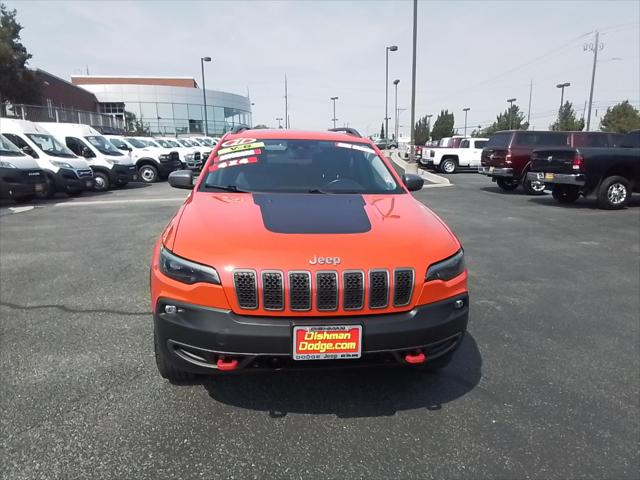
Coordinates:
73 158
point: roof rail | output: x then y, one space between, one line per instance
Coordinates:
347 130
239 128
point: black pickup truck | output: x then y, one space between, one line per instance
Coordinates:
611 174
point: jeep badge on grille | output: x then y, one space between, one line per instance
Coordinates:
316 260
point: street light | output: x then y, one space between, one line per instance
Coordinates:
562 86
334 111
465 110
395 83
392 48
279 119
510 100
204 95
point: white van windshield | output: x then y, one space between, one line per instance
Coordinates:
50 145
103 146
8 149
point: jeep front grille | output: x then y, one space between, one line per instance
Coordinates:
323 291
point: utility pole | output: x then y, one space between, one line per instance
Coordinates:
286 103
334 111
392 48
595 48
511 100
530 95
465 110
412 144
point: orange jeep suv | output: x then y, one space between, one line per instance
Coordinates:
303 248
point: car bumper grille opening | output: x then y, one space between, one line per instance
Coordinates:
246 289
403 279
272 290
327 291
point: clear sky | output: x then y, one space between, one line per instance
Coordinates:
470 53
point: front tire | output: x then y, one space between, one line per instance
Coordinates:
448 166
507 184
148 173
165 368
533 187
49 189
565 193
614 193
101 182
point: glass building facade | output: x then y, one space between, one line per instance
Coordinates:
170 110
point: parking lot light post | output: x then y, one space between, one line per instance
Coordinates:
465 110
334 111
392 48
279 119
562 86
204 95
511 100
395 129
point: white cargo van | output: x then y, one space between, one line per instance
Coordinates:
20 177
152 163
189 156
111 168
65 172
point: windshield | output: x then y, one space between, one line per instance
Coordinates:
184 143
8 149
135 142
299 166
103 145
173 143
50 145
116 142
206 141
163 143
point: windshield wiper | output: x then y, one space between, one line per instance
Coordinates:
228 188
317 190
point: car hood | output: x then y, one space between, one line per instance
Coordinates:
286 232
20 161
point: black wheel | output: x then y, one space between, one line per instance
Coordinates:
507 184
449 165
148 173
100 181
166 369
566 193
75 193
614 193
48 189
533 187
25 198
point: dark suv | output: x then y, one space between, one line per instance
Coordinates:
507 156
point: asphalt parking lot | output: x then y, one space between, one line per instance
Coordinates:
546 384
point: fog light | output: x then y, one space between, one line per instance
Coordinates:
170 309
458 304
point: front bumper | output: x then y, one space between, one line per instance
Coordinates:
496 172
69 180
19 183
168 166
194 336
121 174
577 179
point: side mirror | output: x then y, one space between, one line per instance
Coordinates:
412 181
181 179
87 153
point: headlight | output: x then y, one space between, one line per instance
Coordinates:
61 164
7 165
447 269
164 156
189 156
185 271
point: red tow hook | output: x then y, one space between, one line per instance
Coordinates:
415 358
226 365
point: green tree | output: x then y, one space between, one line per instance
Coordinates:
511 119
422 131
443 126
566 121
621 118
18 84
382 130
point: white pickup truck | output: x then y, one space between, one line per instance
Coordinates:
448 160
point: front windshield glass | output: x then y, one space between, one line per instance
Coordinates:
119 144
8 149
308 166
135 142
184 143
50 145
206 141
173 144
103 145
163 143
150 143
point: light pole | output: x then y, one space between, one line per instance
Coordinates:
204 94
562 86
465 110
392 48
279 119
334 111
511 100
395 129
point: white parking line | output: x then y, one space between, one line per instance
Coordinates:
110 202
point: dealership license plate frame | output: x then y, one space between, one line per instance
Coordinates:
332 355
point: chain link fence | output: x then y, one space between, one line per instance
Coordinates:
38 113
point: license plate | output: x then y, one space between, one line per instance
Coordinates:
39 187
327 343
548 176
491 169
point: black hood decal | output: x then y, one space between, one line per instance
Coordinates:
313 213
